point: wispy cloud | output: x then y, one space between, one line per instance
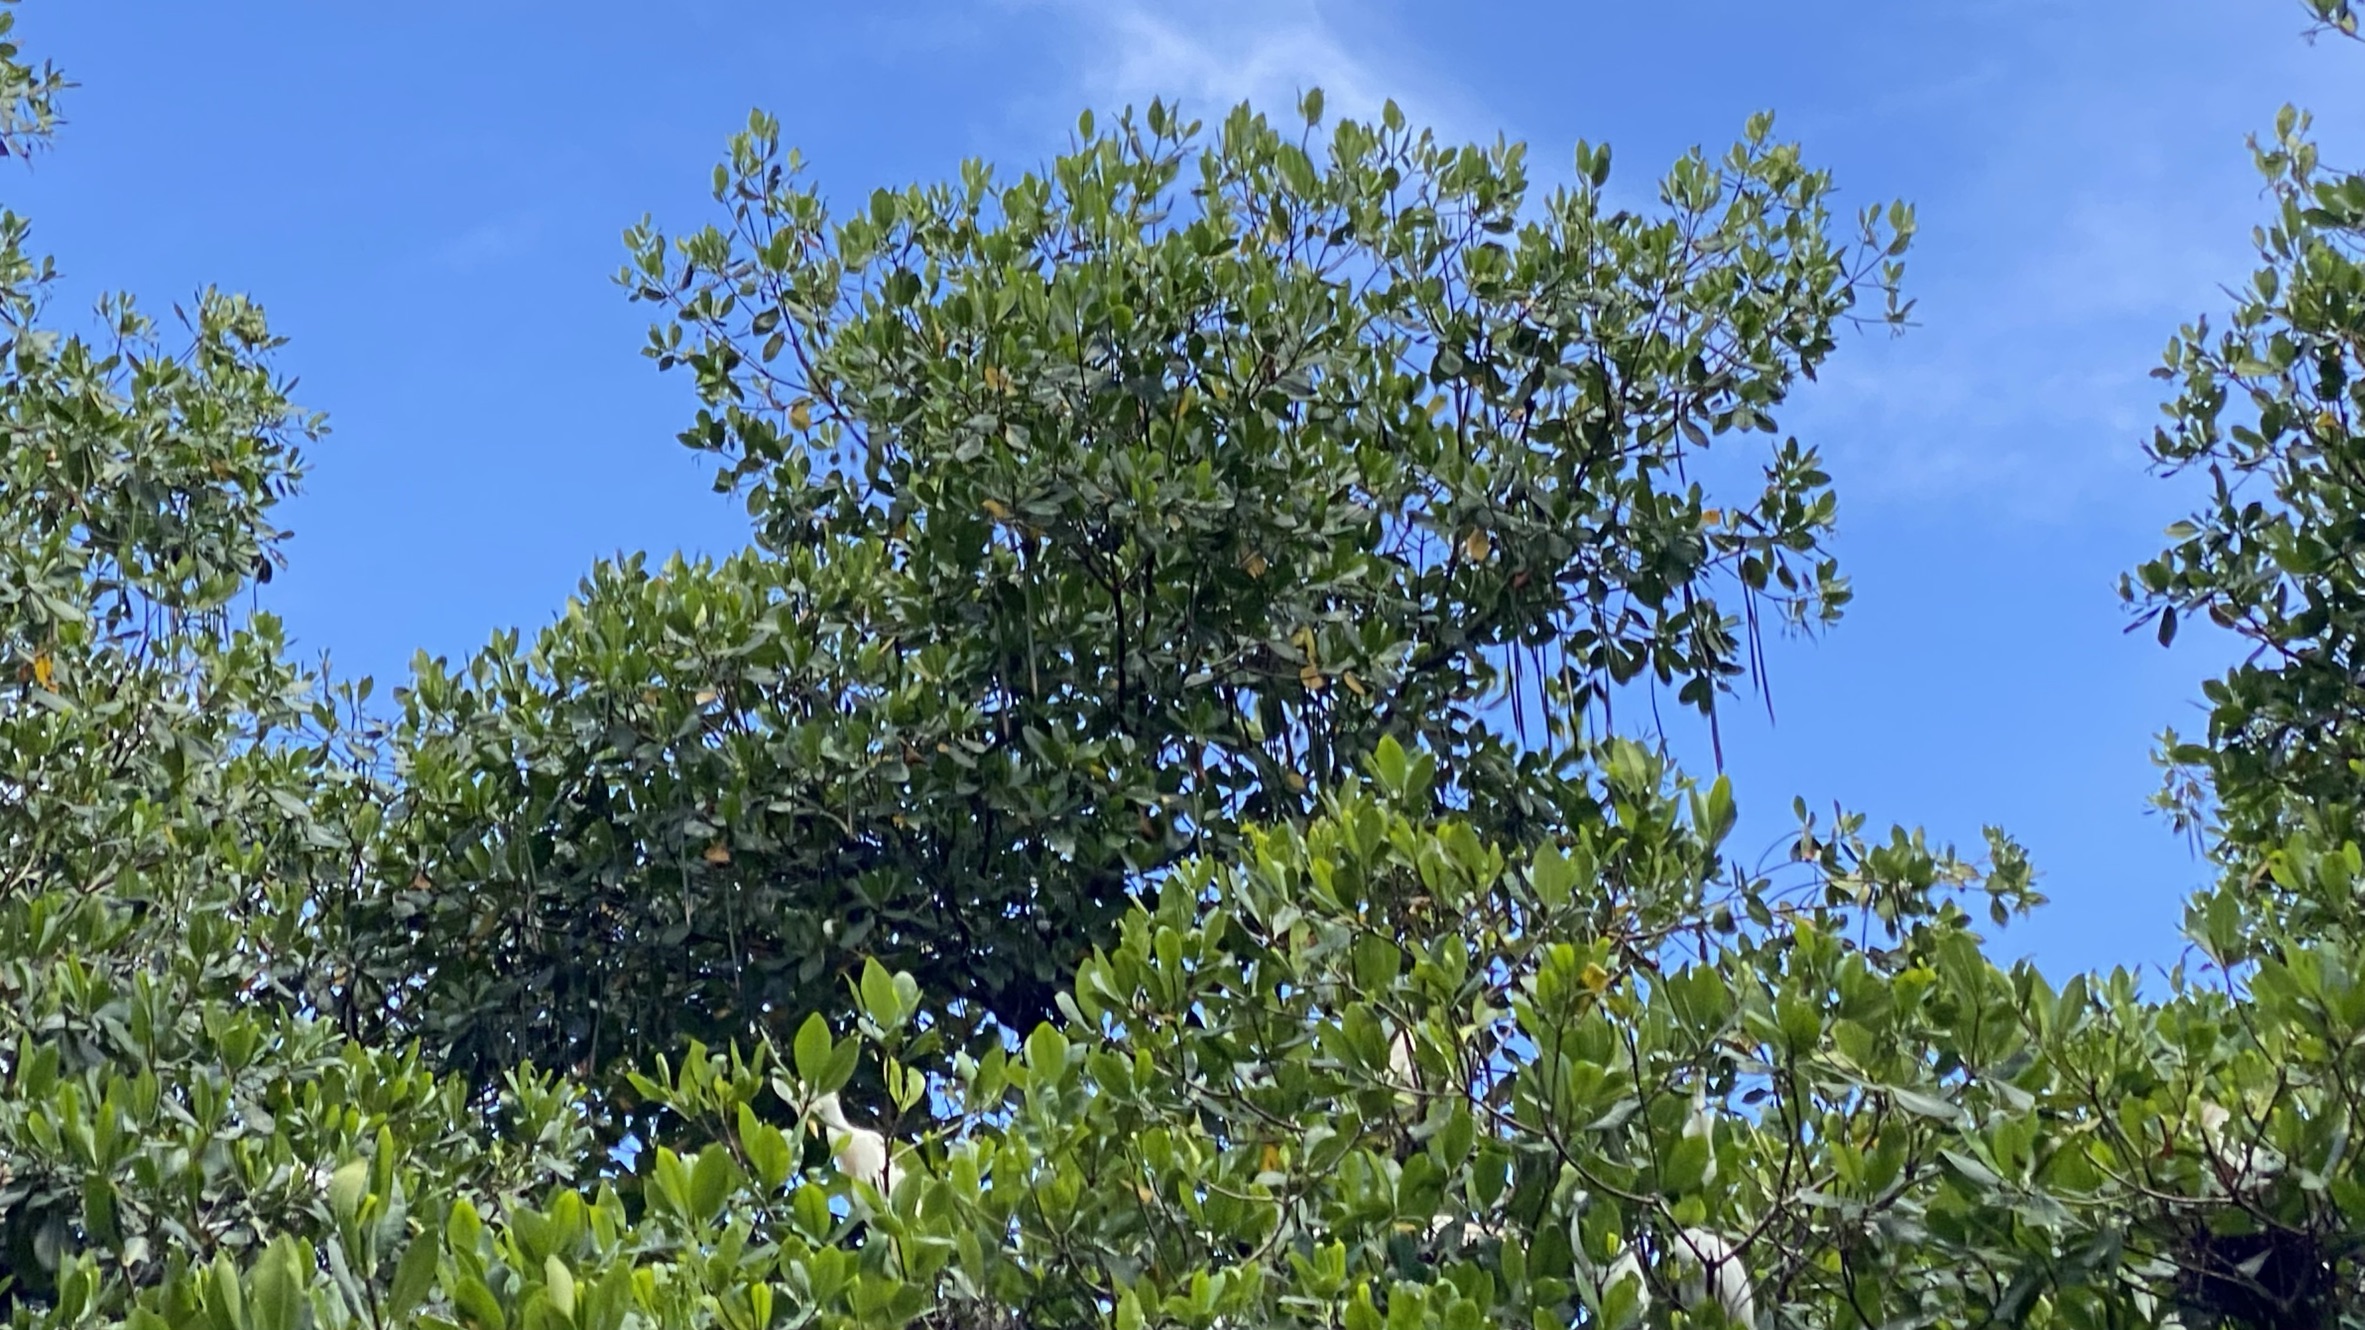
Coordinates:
2027 387
2085 220
489 243
1215 55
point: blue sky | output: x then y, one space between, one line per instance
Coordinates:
428 200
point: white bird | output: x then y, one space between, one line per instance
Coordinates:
2239 1168
861 1153
1473 1232
1712 1270
1403 1072
1627 1268
1702 1124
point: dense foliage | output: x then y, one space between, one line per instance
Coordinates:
1101 514
1142 838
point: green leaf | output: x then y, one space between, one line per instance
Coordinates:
278 1286
812 1049
1389 766
711 1181
414 1277
228 1303
346 1189
1047 1051
878 996
1925 1105
477 1305
1971 1169
767 1149
1720 811
843 1059
1454 1142
464 1230
1553 875
674 1186
559 1283
1686 1164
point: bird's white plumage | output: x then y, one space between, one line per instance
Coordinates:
861 1153
1701 1125
1707 1271
1404 1072
1712 1273
2240 1167
1472 1232
1627 1269
1401 1068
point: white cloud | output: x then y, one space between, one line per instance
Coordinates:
1217 54
489 243
2088 216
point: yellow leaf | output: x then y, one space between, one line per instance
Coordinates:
44 670
1312 679
1594 978
707 695
717 854
1271 1162
1475 547
996 379
1711 516
1354 685
800 413
1303 640
995 510
1255 564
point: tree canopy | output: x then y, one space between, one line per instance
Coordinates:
1100 514
1144 836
